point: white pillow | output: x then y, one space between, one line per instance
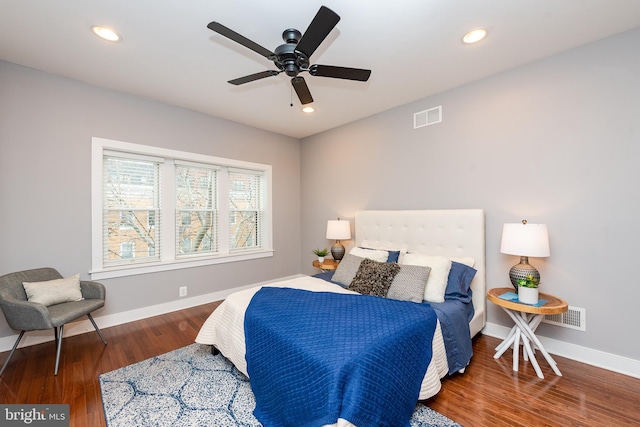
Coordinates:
55 291
374 254
437 281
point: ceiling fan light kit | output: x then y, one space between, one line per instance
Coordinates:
292 57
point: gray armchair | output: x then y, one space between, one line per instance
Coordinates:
23 315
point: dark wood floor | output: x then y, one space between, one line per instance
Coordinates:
488 394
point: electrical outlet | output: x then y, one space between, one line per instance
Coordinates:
183 291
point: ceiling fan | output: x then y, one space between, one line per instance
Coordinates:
292 58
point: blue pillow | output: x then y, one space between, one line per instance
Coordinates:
393 256
459 282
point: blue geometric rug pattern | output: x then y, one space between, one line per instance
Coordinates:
191 387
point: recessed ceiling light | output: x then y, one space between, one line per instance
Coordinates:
474 35
106 33
308 109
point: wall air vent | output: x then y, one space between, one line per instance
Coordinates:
574 318
427 117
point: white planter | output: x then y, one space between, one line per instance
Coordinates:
320 259
527 295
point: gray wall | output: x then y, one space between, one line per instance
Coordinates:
46 125
555 142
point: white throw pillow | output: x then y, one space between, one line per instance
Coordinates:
437 281
376 255
55 291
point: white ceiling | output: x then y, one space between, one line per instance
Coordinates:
413 48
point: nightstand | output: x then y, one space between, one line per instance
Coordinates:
327 265
526 320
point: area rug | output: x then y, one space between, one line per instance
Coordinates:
191 387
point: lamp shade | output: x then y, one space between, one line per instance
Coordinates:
338 230
530 240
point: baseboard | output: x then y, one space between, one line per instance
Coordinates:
106 321
601 359
611 362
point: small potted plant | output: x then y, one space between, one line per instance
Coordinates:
528 290
320 253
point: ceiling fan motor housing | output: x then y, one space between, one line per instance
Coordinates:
288 59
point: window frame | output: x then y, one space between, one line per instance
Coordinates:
168 259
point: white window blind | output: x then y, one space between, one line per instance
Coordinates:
246 209
196 210
156 209
131 216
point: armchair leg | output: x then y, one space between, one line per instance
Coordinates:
58 337
12 351
55 372
97 329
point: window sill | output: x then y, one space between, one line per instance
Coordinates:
131 270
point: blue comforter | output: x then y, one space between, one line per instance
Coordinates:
454 317
314 357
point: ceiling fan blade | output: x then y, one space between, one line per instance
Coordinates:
253 77
318 30
302 90
340 72
230 34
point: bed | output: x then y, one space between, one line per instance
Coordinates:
457 235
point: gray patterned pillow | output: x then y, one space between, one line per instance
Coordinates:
409 283
347 269
374 278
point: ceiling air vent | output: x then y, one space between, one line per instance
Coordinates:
427 117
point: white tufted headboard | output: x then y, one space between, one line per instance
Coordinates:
445 232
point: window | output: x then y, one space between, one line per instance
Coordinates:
130 198
157 209
245 210
197 208
127 250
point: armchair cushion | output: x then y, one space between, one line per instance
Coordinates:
68 311
53 292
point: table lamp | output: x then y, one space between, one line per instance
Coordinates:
524 240
338 230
